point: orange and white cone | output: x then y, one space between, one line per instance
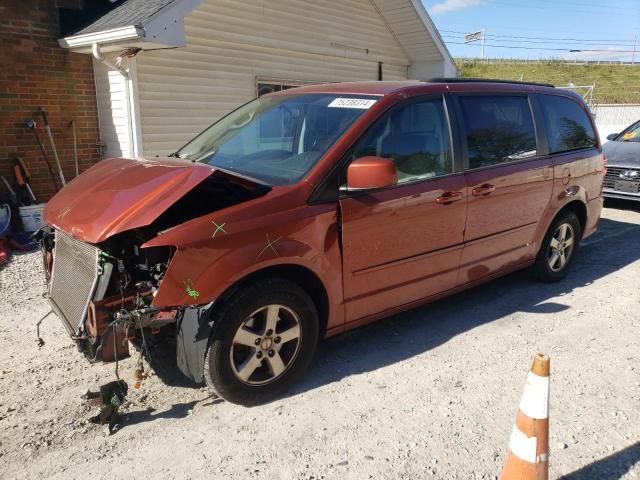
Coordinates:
528 455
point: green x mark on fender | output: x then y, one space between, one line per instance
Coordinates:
188 285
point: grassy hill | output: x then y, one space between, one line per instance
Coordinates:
614 83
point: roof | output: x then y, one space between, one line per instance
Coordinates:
435 85
354 88
129 13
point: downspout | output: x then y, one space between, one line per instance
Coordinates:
97 54
132 110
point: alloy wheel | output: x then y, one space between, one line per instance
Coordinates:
265 345
561 247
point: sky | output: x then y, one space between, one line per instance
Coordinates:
601 30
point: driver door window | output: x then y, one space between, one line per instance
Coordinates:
415 136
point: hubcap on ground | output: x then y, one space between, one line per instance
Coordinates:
265 345
561 247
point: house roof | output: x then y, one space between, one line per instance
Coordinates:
155 21
129 13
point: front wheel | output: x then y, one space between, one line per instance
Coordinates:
262 342
558 248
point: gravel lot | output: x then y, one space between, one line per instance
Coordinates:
427 394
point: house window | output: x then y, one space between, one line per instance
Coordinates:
280 127
270 86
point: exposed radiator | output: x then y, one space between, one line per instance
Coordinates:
73 279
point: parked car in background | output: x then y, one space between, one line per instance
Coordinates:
315 210
623 164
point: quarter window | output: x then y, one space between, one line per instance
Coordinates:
568 127
499 129
415 136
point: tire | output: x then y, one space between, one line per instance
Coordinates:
553 246
246 353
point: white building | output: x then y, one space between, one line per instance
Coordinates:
200 59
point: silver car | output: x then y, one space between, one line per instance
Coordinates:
623 167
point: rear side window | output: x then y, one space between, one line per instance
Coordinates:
499 129
568 127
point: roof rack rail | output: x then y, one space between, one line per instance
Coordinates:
484 80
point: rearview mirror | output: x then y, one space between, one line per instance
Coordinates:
612 136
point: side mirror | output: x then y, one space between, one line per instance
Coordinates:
368 173
612 136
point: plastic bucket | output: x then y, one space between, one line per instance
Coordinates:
5 220
31 217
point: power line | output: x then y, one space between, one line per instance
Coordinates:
503 26
572 44
544 38
544 48
575 11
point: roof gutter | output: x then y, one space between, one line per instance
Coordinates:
106 36
97 54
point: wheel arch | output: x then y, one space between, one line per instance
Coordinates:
298 274
579 209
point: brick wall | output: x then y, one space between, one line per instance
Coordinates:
36 72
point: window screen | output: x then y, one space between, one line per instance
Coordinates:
499 129
568 127
415 136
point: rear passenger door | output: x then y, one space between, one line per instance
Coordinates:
509 183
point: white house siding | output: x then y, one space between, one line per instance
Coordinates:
232 43
113 111
416 34
615 118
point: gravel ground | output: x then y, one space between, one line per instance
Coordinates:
427 394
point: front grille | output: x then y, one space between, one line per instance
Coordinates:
73 278
615 179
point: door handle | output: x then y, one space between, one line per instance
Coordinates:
449 197
484 189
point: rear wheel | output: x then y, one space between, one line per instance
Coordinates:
263 341
558 248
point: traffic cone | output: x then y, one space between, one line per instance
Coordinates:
528 454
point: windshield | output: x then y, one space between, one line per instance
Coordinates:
631 134
277 139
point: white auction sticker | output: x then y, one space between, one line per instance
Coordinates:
363 103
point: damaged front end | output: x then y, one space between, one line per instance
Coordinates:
101 281
103 294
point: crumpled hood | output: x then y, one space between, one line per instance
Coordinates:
119 194
622 154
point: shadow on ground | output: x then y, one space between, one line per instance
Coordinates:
177 411
618 204
612 467
614 246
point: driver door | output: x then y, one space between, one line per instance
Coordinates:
403 244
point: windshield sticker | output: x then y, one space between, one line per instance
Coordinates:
362 103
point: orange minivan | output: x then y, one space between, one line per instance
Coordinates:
311 211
